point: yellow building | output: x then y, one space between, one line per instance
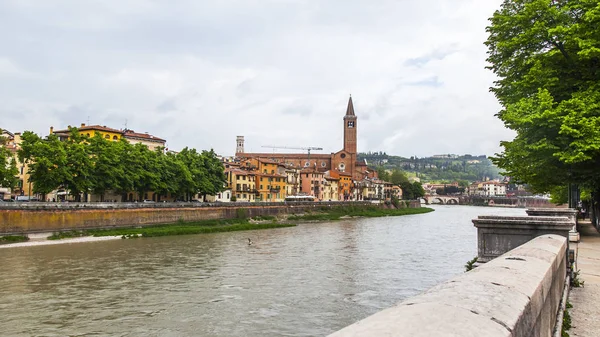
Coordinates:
242 184
330 189
152 142
292 184
271 179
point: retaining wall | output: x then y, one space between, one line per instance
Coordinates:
516 294
48 217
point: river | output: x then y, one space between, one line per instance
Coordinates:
308 280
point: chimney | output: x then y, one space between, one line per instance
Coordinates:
82 124
51 130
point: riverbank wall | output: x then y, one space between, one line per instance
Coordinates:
19 218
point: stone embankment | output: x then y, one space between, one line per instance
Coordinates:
47 217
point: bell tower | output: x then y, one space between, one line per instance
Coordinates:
240 145
350 128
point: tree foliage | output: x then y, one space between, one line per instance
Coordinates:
8 166
546 54
84 165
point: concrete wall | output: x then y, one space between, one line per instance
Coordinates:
516 294
48 217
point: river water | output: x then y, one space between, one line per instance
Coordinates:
308 280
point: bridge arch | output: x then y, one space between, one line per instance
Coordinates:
452 201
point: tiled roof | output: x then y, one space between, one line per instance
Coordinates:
126 133
132 134
91 128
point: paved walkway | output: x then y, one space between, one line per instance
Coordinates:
585 314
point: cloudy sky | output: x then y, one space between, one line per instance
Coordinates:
279 72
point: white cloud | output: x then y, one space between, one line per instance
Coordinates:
278 72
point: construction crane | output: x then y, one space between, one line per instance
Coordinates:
308 149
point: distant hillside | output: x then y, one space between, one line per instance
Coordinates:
437 168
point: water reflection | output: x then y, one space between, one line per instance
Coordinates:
308 280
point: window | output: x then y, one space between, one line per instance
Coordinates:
272 171
261 187
115 138
350 124
107 136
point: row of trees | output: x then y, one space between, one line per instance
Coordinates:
546 55
95 165
8 166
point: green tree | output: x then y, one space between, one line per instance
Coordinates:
128 164
78 165
383 174
546 55
8 166
215 174
107 166
47 160
144 166
398 177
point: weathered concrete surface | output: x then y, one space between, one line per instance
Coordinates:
497 235
566 212
585 314
517 294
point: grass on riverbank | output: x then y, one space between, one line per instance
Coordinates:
327 214
13 238
180 228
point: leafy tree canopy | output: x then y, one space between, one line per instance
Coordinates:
546 54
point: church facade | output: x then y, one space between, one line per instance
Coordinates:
343 161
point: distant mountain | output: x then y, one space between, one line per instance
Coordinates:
444 167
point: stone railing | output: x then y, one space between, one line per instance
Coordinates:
497 235
516 294
560 212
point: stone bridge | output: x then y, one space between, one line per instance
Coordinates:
441 199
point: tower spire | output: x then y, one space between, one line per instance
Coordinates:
350 109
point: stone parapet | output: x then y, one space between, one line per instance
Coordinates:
562 212
497 235
517 294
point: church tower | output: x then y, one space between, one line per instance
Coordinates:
350 128
240 145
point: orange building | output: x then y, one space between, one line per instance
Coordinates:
311 183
